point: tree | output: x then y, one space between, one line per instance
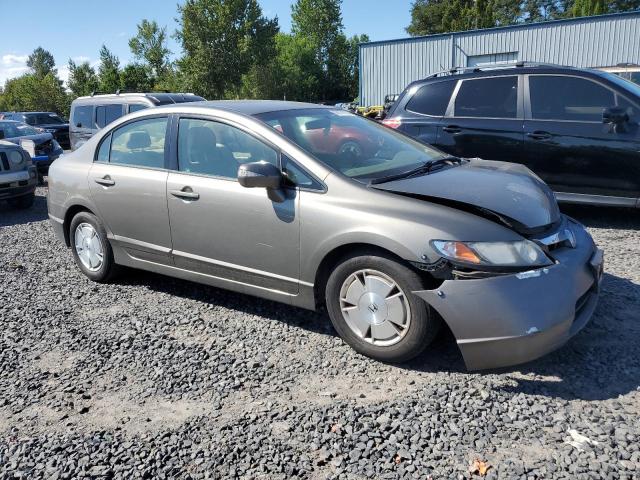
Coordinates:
41 63
584 8
149 47
32 93
108 71
136 78
354 64
222 41
82 79
321 22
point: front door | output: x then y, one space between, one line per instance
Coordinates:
220 228
568 145
484 120
128 184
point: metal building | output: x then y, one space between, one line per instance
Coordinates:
601 41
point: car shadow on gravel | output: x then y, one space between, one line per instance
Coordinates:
12 216
604 217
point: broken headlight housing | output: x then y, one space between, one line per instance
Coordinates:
523 253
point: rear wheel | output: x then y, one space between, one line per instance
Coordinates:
371 306
91 248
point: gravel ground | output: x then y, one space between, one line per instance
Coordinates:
152 377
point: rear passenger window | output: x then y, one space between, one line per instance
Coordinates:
105 114
82 116
140 143
495 97
556 97
103 151
432 99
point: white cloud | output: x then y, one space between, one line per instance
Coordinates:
12 66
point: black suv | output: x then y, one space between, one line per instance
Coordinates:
577 129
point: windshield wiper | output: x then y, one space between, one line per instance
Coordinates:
422 169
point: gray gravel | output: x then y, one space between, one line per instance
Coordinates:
152 377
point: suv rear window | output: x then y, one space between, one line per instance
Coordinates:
495 97
555 97
82 116
432 99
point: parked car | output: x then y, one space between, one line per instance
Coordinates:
46 149
48 121
90 114
576 129
18 176
390 242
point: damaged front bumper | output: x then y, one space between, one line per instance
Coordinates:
512 319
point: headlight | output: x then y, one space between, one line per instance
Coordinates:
16 157
523 253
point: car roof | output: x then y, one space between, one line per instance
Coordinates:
251 107
500 70
153 97
36 113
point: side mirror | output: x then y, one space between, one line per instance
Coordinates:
259 175
615 115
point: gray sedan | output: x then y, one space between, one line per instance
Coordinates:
316 207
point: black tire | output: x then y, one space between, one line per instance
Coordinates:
424 325
23 202
108 269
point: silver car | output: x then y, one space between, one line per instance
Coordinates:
316 207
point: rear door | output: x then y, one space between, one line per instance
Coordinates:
128 182
569 146
81 125
484 119
422 113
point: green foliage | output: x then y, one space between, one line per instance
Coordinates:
41 63
583 8
82 79
108 71
136 78
149 47
32 93
223 41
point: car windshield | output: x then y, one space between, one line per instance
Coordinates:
17 129
358 147
43 119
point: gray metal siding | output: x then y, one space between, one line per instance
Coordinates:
388 67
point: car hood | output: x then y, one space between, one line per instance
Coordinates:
37 139
506 192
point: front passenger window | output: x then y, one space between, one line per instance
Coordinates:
140 143
213 148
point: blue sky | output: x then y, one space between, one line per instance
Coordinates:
77 29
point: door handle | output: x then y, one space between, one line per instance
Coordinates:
186 194
105 181
451 129
538 135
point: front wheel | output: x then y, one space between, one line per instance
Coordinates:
371 306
